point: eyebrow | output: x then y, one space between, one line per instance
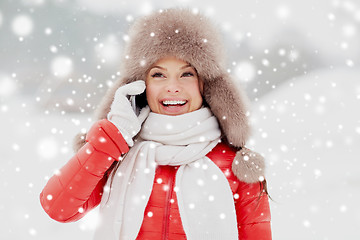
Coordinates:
185 66
158 67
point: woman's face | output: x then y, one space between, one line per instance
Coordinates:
173 87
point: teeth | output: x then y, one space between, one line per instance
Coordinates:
173 102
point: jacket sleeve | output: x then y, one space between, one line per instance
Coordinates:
78 186
253 212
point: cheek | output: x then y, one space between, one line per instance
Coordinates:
198 100
151 96
196 96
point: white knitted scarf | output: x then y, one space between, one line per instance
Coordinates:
204 196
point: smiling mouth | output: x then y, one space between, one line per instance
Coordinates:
175 103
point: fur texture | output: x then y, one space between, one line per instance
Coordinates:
79 141
194 39
248 166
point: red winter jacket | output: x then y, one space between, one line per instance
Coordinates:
78 188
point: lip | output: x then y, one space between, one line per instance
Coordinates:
174 110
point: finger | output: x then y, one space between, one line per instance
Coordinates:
134 88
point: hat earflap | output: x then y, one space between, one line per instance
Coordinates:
79 141
248 166
229 105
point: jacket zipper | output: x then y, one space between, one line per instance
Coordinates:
166 219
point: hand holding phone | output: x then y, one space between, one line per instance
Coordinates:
124 111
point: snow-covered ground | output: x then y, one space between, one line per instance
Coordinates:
308 129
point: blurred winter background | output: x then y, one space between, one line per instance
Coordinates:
298 61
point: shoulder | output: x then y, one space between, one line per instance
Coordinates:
247 165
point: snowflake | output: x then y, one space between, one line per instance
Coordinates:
265 62
32 232
61 66
349 63
22 25
357 130
169 126
245 71
343 208
16 147
48 31
7 85
306 223
349 30
129 18
283 12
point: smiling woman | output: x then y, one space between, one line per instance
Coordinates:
179 169
173 87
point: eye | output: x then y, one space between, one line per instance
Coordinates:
187 74
157 75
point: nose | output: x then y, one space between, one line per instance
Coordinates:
173 85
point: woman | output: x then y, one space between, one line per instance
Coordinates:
172 166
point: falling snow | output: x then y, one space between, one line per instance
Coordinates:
300 70
61 66
245 71
8 85
22 25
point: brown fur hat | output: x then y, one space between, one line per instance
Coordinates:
192 38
